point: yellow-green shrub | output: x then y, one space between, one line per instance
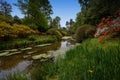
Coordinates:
54 31
9 32
6 31
22 30
85 31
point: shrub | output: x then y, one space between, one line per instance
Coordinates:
9 32
84 32
23 31
109 27
63 32
54 31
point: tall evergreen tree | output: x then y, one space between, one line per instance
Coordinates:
56 22
5 8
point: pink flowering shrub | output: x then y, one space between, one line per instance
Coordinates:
109 26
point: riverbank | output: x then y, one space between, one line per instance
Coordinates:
90 61
30 41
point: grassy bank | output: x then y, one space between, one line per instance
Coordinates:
24 42
89 61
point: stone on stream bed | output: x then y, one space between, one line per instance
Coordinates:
24 49
66 37
42 56
11 50
42 45
13 53
4 53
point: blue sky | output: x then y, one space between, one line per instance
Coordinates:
65 9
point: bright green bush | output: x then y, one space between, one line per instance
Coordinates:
84 32
63 32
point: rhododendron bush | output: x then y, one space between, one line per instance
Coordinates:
108 28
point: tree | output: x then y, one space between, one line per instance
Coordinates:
35 17
94 10
67 24
84 3
71 22
56 22
5 8
23 6
44 6
17 20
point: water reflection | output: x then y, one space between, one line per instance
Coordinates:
65 45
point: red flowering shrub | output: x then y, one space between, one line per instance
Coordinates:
109 26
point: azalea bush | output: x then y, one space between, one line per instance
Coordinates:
108 28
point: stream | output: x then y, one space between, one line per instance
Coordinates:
20 60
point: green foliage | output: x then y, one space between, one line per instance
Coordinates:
91 61
93 11
84 32
17 20
44 70
42 23
7 19
36 19
32 37
43 5
63 32
55 23
54 31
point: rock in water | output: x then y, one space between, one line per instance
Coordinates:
41 56
42 45
4 53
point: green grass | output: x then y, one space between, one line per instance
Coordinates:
91 61
16 76
24 42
